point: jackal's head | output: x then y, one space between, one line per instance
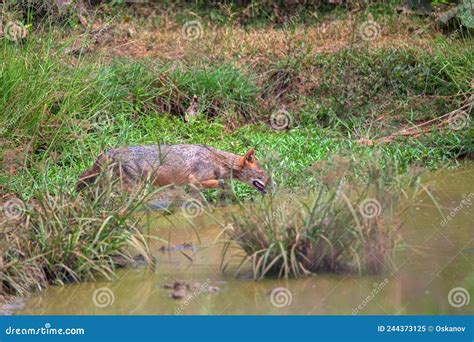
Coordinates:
250 172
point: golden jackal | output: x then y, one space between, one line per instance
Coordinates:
200 165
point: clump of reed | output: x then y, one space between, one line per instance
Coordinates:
350 222
60 236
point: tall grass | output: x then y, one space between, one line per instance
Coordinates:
60 236
350 223
51 102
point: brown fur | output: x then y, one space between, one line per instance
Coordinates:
200 165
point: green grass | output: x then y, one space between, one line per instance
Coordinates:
287 153
403 73
58 112
349 224
65 115
59 237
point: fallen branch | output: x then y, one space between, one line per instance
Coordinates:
419 129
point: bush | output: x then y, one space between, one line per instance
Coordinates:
59 237
349 223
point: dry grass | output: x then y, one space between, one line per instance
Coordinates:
253 46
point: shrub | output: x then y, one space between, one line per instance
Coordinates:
349 223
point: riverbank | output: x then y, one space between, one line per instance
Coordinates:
425 274
375 81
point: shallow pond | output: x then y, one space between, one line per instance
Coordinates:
441 260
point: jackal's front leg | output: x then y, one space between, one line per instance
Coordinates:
208 183
213 183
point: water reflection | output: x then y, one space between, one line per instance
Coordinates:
439 259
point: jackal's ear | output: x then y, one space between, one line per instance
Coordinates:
249 157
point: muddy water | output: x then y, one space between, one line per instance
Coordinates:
442 259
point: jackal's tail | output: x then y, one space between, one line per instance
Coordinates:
90 175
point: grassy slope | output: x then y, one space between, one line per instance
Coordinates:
59 111
60 116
